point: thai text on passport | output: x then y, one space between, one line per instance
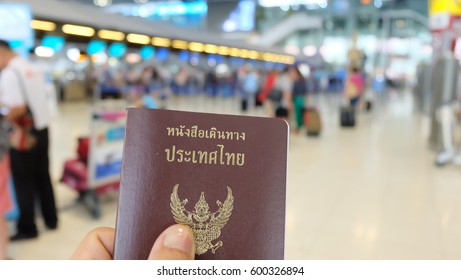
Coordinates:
217 156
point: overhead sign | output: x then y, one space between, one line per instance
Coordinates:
445 6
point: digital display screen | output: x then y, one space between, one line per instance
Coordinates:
95 47
184 56
147 52
55 43
117 50
184 14
163 54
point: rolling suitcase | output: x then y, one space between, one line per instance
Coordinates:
312 121
244 105
368 106
281 112
258 102
347 116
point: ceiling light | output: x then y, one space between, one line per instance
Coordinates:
42 51
244 53
180 44
73 54
42 25
111 35
253 55
234 52
161 42
223 50
290 60
138 39
78 30
196 47
267 56
209 48
323 4
102 3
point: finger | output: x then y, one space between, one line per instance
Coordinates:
175 243
97 245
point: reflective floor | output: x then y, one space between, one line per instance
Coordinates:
371 192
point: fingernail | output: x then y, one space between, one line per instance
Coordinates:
180 239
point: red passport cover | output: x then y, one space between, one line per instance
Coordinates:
223 175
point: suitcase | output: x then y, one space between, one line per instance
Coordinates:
83 148
244 105
312 121
281 112
368 106
258 102
347 116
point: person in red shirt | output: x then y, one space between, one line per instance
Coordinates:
266 90
354 87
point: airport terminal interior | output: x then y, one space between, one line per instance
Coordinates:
369 88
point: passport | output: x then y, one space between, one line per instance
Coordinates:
223 175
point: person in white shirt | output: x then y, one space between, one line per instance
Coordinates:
23 94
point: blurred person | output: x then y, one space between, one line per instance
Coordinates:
153 81
136 87
200 79
211 84
91 81
250 86
299 96
24 95
266 91
110 89
174 243
5 197
180 81
151 85
282 93
227 85
354 87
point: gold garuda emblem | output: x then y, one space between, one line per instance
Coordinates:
205 224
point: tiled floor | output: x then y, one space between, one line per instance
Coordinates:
366 193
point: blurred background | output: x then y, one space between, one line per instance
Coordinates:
369 88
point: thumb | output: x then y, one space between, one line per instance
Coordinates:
175 243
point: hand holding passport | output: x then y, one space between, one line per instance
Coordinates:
175 243
222 176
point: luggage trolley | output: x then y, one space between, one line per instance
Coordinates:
100 171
